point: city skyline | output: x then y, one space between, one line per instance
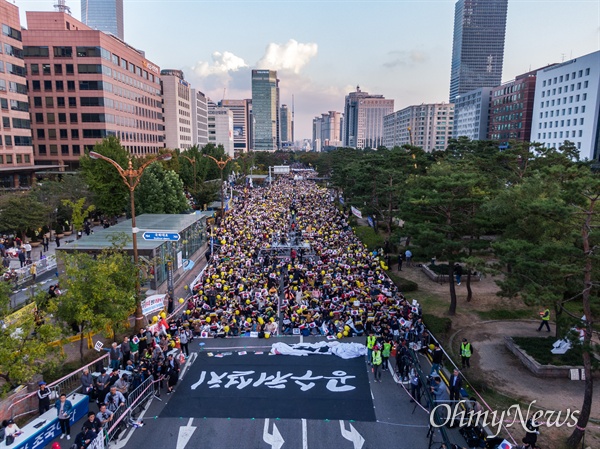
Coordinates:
320 58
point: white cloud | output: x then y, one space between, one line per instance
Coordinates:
222 63
288 57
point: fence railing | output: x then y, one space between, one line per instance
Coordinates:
69 384
21 277
135 399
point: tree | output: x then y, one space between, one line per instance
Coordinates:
440 208
111 196
160 192
78 214
21 212
98 291
24 343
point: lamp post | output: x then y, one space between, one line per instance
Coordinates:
131 177
221 164
193 162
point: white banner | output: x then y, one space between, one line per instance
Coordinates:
98 443
152 304
356 212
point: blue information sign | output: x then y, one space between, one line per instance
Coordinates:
157 235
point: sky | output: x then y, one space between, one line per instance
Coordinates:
323 49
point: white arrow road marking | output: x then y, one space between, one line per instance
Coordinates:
304 435
275 440
185 433
352 435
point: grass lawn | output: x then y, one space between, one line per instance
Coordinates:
506 314
539 348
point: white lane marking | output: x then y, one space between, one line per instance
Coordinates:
275 440
188 363
123 442
304 435
352 435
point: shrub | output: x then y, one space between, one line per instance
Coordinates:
404 285
369 237
539 348
437 325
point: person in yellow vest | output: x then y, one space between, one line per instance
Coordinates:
371 339
385 353
545 316
466 351
376 360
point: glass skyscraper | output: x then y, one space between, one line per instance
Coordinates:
103 15
265 110
478 45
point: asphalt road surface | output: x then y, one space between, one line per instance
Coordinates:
249 400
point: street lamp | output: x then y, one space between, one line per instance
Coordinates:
131 178
193 162
221 164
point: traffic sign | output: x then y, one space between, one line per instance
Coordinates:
165 236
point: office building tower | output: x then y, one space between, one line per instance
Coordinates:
103 15
363 119
327 131
241 123
478 45
511 109
567 105
265 110
428 126
285 118
16 151
85 85
177 109
471 112
199 118
220 127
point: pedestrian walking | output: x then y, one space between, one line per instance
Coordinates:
408 256
377 361
458 271
545 317
400 262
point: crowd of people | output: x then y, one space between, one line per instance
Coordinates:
288 262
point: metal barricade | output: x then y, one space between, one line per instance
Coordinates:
69 384
136 398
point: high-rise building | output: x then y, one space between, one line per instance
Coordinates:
428 126
471 112
177 109
478 45
16 151
567 105
511 109
327 131
285 118
220 127
363 119
241 123
103 15
199 118
85 85
265 110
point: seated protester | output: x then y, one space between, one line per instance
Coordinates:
104 415
114 399
11 432
92 423
123 385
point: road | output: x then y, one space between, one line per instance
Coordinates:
225 402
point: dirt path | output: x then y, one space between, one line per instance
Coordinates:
493 364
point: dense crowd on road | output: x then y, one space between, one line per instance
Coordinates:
326 282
